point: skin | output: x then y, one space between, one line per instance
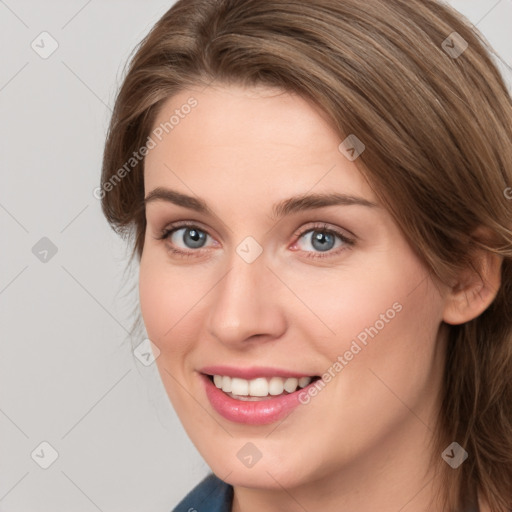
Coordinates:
362 442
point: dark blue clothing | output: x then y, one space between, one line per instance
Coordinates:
210 495
214 495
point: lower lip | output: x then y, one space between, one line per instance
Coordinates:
261 412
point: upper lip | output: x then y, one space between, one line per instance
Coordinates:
252 372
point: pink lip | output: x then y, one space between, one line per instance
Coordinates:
251 373
260 412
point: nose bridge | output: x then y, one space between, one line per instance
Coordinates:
244 304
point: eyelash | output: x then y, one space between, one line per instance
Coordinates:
324 228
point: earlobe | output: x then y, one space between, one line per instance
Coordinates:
475 290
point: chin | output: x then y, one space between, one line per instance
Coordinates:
271 472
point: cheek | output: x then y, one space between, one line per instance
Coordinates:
163 296
166 307
389 348
173 302
154 302
370 299
382 344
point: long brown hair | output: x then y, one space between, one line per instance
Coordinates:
417 84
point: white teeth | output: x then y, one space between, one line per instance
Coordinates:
304 381
276 386
290 384
259 387
239 386
226 384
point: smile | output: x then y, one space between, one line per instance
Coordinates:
262 387
255 401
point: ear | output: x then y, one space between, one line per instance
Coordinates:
475 289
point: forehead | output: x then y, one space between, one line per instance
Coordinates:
256 139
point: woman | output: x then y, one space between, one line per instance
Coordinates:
319 198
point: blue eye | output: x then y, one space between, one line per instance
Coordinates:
323 239
191 237
188 240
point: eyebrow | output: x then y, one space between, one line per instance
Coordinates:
285 207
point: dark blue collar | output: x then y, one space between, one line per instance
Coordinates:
210 495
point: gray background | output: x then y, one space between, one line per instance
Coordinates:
67 374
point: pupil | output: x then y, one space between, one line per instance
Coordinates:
326 240
195 238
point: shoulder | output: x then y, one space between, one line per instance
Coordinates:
210 495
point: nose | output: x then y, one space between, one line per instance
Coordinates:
247 304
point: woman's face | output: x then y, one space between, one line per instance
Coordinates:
288 268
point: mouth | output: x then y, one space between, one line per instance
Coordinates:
257 401
260 388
